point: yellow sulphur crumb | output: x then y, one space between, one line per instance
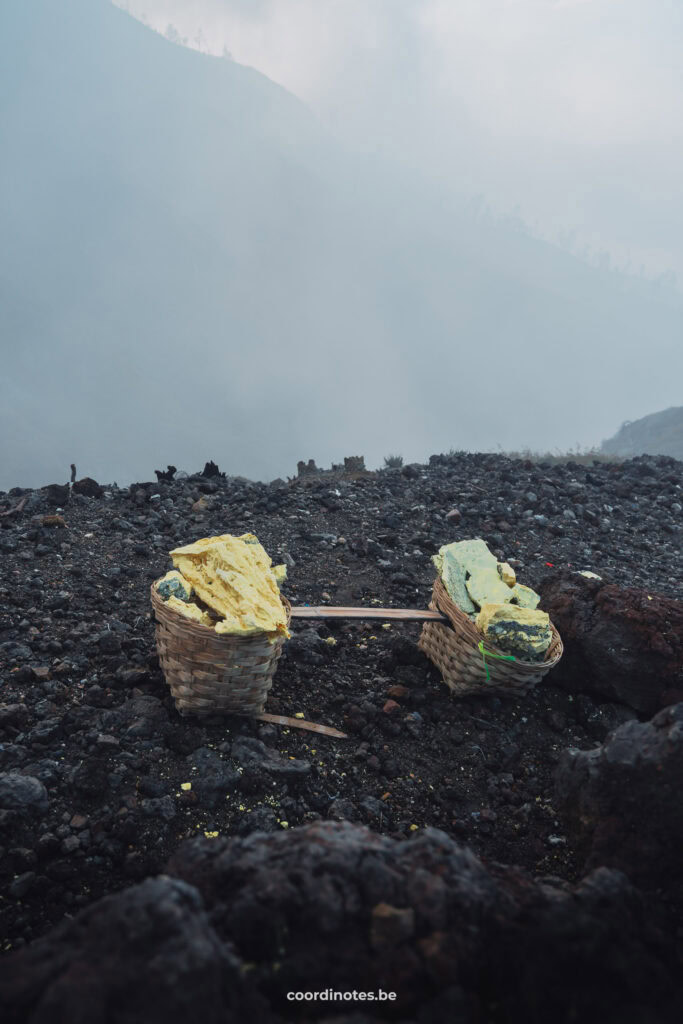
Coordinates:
186 785
284 824
414 828
299 714
210 835
331 641
386 625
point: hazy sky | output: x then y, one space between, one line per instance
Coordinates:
193 265
567 112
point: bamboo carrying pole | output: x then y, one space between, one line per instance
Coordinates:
402 614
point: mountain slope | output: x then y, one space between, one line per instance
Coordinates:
660 433
191 268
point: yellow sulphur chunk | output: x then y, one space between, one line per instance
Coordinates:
507 574
486 587
525 597
186 785
233 576
523 632
190 610
280 573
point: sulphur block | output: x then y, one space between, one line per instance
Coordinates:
173 585
280 573
456 562
453 576
233 576
524 597
507 574
190 610
486 587
523 632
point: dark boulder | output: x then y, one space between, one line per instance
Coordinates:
22 793
56 494
620 643
146 954
88 487
336 907
623 799
493 941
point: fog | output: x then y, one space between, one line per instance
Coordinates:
196 263
568 113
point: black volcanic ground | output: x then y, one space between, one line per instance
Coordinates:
93 754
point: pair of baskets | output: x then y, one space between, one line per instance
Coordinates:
470 664
211 674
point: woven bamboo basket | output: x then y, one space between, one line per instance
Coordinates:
455 651
211 674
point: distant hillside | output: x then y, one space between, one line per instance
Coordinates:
660 433
192 268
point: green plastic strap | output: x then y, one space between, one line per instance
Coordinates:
492 654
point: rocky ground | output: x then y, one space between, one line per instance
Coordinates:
500 806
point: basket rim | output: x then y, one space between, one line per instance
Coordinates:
200 630
461 623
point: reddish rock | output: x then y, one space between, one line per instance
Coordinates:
620 643
391 705
398 691
57 521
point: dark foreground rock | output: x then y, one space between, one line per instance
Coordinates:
148 954
620 643
244 922
624 798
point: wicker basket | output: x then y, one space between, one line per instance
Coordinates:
455 651
211 674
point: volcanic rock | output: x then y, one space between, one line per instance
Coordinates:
88 487
147 954
492 936
623 798
620 643
253 753
57 494
22 793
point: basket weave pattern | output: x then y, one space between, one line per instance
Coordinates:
209 673
455 651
